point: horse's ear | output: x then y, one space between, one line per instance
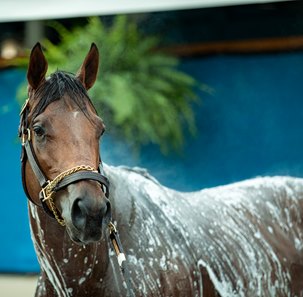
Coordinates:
37 67
88 71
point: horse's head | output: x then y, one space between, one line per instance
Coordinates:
61 128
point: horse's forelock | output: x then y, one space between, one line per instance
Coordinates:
61 83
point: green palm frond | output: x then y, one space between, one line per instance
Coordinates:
140 92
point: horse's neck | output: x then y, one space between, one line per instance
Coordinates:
66 265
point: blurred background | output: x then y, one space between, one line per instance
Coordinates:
201 93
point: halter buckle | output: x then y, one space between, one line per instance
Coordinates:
44 193
112 228
28 133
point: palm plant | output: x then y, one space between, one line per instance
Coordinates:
140 92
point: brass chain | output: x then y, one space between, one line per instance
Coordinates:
48 190
55 211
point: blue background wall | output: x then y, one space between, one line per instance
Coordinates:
16 251
249 126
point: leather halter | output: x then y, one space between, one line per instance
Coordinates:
49 187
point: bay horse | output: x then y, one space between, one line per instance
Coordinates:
243 239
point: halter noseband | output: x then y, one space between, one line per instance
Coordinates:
49 187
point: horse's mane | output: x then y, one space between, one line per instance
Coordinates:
57 85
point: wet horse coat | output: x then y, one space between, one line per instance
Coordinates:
248 236
243 239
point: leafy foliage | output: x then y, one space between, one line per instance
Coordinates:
140 92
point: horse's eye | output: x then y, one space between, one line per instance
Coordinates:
39 131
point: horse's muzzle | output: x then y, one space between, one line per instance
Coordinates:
89 218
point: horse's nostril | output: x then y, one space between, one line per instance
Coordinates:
78 214
107 212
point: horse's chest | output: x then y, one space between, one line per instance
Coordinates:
77 273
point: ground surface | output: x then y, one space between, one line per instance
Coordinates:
16 286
